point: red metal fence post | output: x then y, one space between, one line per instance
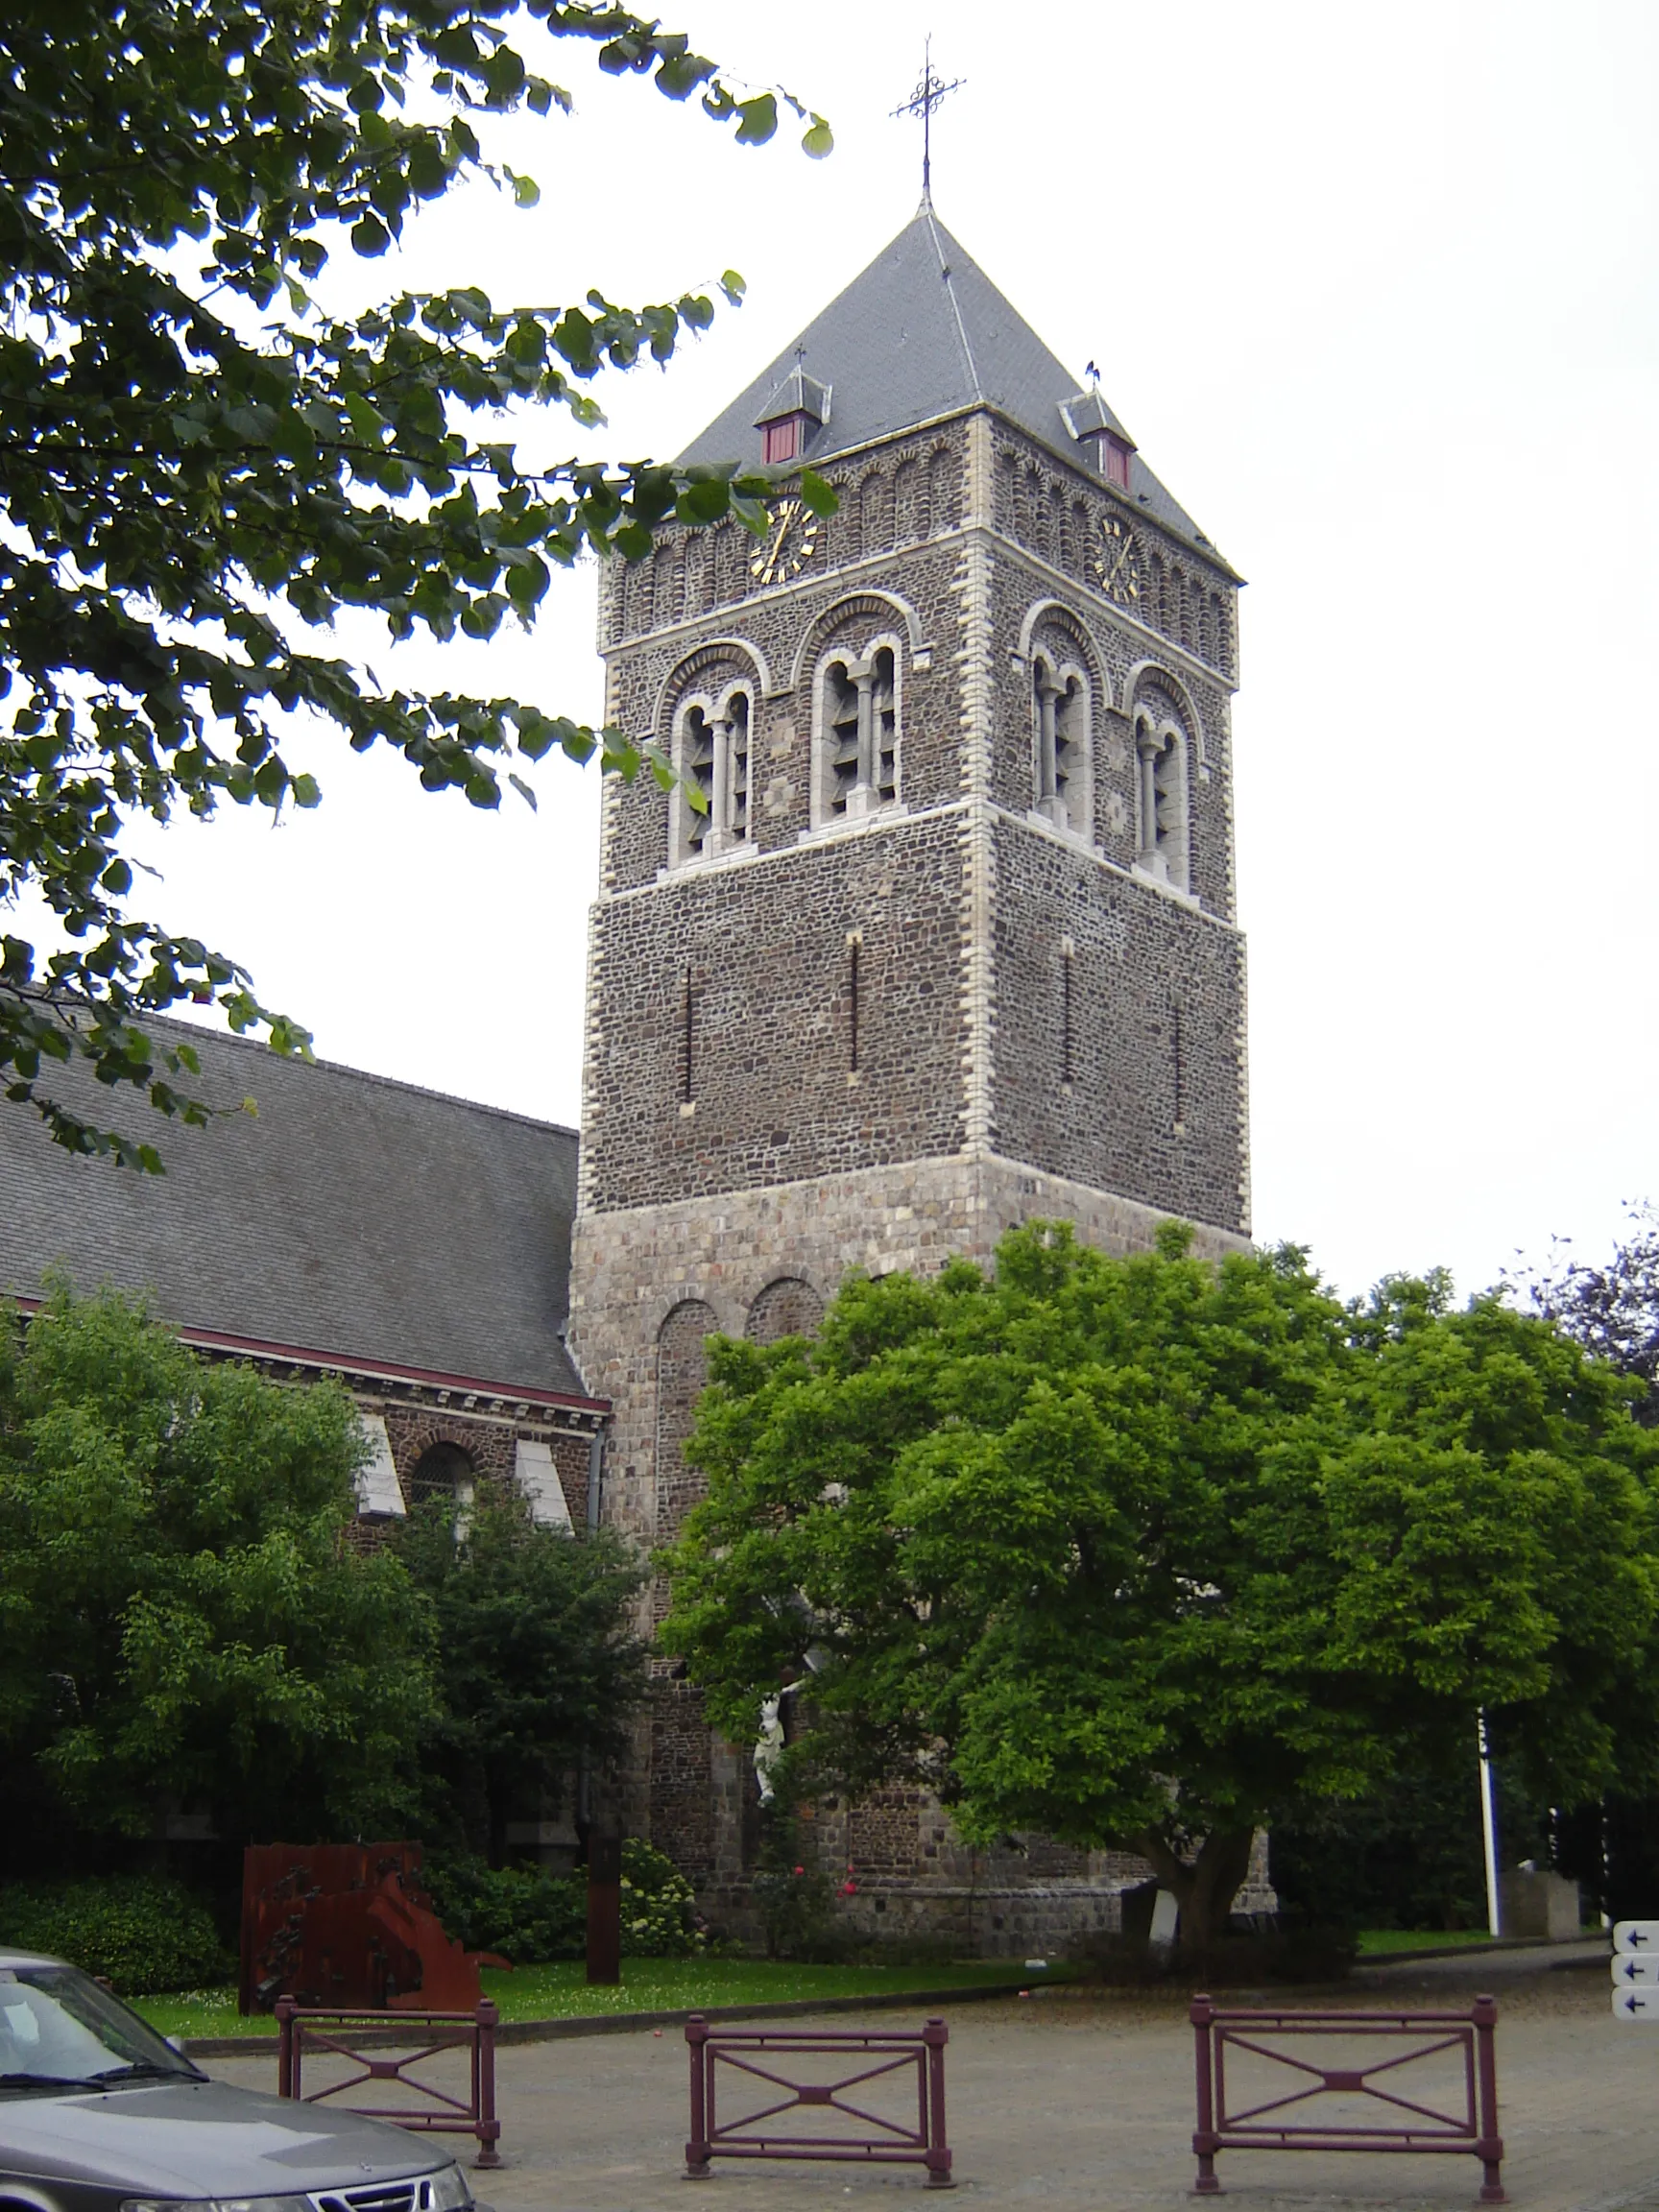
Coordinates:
935 2035
484 2083
697 2167
284 2046
1489 2150
1204 2138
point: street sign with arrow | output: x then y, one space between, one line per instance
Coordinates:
1640 1937
1639 2006
1629 1971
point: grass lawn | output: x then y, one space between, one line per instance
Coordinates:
1374 1942
648 1985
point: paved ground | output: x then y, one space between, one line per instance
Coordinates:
1082 2102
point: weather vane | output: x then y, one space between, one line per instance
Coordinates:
928 94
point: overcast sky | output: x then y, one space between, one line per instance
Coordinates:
1373 288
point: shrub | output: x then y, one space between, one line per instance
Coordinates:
660 1917
794 1895
527 1915
138 1932
531 1917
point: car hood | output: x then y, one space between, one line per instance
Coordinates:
202 2139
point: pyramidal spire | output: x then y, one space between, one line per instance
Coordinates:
920 335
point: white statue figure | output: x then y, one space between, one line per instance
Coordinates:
769 1749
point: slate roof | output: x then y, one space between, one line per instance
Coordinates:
364 1219
923 332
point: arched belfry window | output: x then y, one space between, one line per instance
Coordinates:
856 735
443 1475
712 747
1164 843
1061 744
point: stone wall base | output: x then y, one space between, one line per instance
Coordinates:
1048 1920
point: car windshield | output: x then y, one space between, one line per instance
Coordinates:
59 2029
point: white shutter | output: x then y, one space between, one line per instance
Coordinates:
378 1490
538 1481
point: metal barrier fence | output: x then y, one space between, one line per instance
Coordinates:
356 2037
1466 2120
871 2056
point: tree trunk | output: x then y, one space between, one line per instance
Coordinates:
1205 1888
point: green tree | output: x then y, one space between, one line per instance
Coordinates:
536 1668
183 1617
199 464
1139 1553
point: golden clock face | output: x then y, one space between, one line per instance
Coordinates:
1118 561
789 543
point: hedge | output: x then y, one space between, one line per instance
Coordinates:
137 1931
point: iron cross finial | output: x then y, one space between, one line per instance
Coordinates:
928 94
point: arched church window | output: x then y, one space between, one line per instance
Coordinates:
855 736
711 748
443 1475
1060 745
1164 842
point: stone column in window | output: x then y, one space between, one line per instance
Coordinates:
1049 801
1146 748
864 795
720 798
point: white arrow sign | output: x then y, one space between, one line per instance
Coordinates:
1638 2005
1632 1971
1640 1937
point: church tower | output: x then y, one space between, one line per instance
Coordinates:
954 944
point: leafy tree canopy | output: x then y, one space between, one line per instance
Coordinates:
1612 1310
183 1616
536 1667
1135 1552
199 463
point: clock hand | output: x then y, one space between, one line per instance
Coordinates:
769 559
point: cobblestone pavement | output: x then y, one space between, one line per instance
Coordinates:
1083 2102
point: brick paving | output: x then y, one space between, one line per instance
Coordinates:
1083 2102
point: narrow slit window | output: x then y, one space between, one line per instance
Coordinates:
1177 1071
699 773
884 719
686 1013
1065 1012
841 717
855 945
737 766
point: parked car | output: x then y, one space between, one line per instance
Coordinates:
99 2113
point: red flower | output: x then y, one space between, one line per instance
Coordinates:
800 1869
848 1888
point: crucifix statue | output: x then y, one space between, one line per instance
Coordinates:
928 94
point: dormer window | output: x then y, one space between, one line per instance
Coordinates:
785 441
791 417
1104 442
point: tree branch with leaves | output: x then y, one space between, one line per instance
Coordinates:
199 466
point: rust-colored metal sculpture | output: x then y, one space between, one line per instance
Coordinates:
349 1925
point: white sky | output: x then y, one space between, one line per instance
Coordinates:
1373 288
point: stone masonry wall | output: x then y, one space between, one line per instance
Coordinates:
721 1032
1118 1040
